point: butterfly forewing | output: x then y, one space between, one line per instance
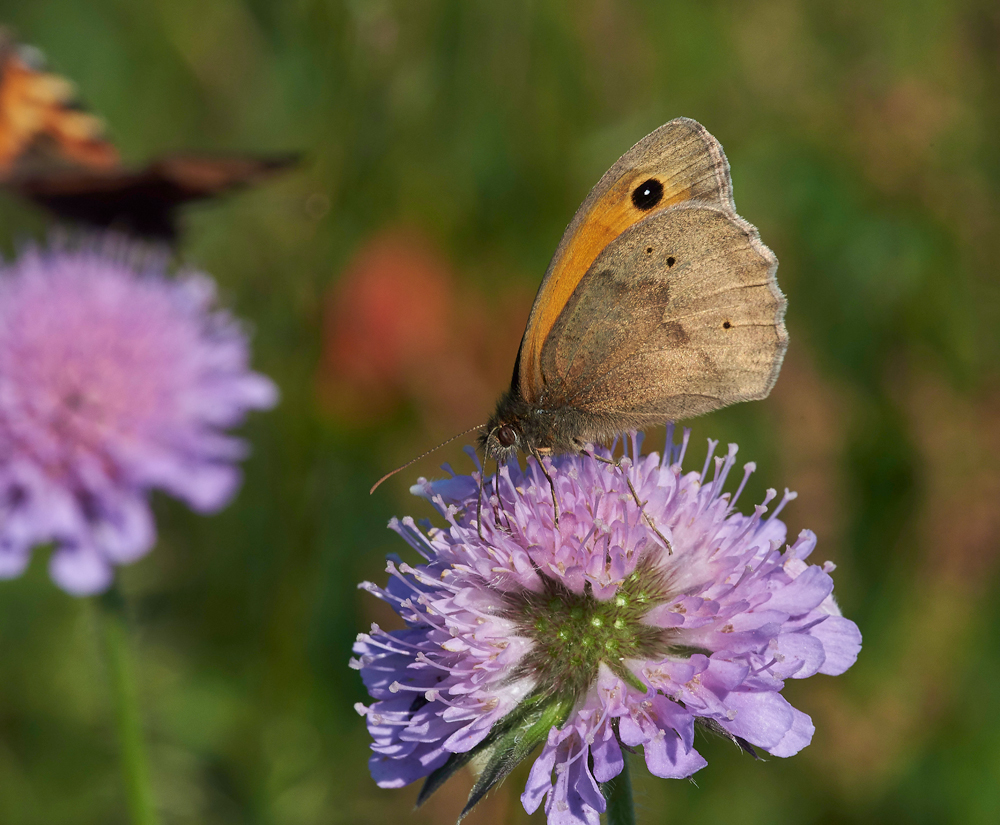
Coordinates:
679 315
40 123
678 162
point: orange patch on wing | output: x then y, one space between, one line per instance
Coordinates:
36 107
607 219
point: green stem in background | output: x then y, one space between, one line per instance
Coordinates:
618 793
124 696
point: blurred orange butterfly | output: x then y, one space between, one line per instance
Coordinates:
57 155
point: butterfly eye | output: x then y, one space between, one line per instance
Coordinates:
507 436
647 194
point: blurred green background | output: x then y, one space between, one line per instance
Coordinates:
446 145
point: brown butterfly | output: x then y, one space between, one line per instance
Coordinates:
660 303
56 155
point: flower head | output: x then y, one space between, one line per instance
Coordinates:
114 379
623 626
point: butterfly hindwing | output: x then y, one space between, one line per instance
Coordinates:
680 315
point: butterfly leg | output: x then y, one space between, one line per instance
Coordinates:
641 504
552 486
479 503
500 508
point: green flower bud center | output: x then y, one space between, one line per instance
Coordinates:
574 633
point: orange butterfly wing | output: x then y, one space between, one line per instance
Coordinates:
678 162
38 121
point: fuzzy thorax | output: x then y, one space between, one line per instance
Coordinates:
519 426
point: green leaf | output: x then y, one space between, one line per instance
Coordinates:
510 741
516 744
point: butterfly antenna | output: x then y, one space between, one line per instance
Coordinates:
423 455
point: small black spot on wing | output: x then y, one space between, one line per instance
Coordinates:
671 261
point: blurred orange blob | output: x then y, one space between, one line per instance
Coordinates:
386 317
397 328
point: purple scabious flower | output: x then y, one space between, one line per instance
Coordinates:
114 379
598 634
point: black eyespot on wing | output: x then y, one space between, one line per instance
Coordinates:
671 260
726 325
649 250
647 194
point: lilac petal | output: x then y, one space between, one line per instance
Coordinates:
210 487
666 732
760 718
539 779
797 737
612 692
804 545
803 594
841 641
257 392
397 773
667 758
672 716
664 615
721 676
13 560
80 571
758 618
801 655
631 732
557 805
608 759
129 533
466 738
566 805
586 788
772 533
455 489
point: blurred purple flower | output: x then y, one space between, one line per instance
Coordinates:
592 636
114 379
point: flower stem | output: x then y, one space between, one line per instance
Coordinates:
618 793
124 695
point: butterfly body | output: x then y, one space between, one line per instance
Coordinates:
659 304
518 425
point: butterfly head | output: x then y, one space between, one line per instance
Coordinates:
504 435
